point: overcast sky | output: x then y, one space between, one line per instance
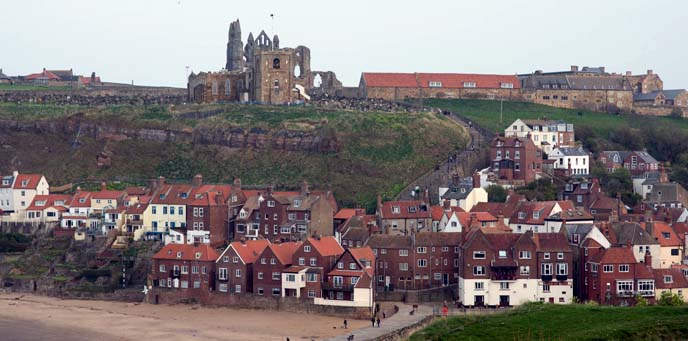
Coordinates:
151 41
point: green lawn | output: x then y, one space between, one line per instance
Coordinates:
564 322
486 113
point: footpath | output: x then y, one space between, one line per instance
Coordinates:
389 326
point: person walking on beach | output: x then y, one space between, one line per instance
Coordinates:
378 322
346 324
372 320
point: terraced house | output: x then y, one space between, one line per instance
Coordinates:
17 191
404 217
188 270
235 266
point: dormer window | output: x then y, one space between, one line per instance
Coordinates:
183 195
396 209
198 255
271 203
412 209
82 200
536 214
162 196
40 203
668 279
469 84
297 203
507 85
307 248
5 182
25 183
502 253
435 84
521 215
179 254
234 198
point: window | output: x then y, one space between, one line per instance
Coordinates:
545 288
291 277
263 261
525 270
292 216
271 203
667 279
194 269
403 253
307 248
624 287
562 269
214 87
352 266
403 266
227 87
546 255
469 84
524 254
608 268
237 289
674 252
223 287
197 284
338 281
340 265
503 285
647 287
311 277
560 255
302 261
422 250
340 295
479 270
184 284
260 275
275 291
273 261
311 293
422 263
276 63
502 253
275 276
623 268
435 84
235 260
478 254
479 286
222 273
383 251
185 269
354 280
237 273
162 268
507 85
313 261
546 269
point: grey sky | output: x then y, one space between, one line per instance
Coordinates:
151 41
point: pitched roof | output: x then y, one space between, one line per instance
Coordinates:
249 250
436 212
571 151
137 208
202 252
437 238
326 246
48 201
31 181
363 253
107 194
81 199
42 75
614 255
284 251
407 210
632 233
528 208
397 80
551 242
677 278
663 233
384 241
345 213
457 80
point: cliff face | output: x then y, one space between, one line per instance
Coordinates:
317 141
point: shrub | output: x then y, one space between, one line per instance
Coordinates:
669 299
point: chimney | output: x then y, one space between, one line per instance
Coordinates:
197 180
103 186
379 202
650 72
270 189
219 199
446 204
456 179
629 73
161 182
538 72
237 183
243 240
426 197
78 189
476 179
648 216
574 68
663 178
648 258
152 184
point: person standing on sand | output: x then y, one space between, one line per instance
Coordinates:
346 324
378 322
372 320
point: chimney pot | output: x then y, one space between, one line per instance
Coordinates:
476 179
197 180
629 73
574 68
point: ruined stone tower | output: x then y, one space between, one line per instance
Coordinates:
235 48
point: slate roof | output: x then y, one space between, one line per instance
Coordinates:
667 192
459 190
632 233
671 94
572 151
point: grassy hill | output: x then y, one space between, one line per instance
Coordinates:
564 322
379 152
486 114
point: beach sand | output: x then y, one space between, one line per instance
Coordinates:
30 317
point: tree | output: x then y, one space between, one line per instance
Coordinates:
496 193
669 299
627 137
540 190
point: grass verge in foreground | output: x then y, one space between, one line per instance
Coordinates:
564 322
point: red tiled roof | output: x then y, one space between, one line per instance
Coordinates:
49 201
360 253
44 74
137 208
135 190
249 250
544 207
681 229
327 246
436 212
188 252
32 181
677 279
397 80
659 230
345 213
78 197
465 218
614 255
295 269
87 80
284 251
107 194
403 210
553 242
644 271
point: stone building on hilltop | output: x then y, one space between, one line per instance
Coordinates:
260 71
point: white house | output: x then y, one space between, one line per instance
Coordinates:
545 134
18 190
575 159
463 192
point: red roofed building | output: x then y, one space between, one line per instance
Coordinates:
613 276
48 208
404 217
17 191
670 245
235 266
350 282
43 78
189 270
672 281
399 86
267 269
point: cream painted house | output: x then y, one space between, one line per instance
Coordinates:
464 193
545 134
18 191
294 280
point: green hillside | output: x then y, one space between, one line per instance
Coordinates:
487 114
565 322
378 152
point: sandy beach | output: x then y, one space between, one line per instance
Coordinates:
29 317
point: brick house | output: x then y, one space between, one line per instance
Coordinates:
235 266
268 267
311 260
207 213
404 217
188 269
613 276
515 160
395 261
351 279
637 162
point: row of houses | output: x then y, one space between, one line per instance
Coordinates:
53 78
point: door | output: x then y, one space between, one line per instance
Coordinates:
479 300
445 279
504 301
551 300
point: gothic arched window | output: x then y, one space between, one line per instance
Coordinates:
276 63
